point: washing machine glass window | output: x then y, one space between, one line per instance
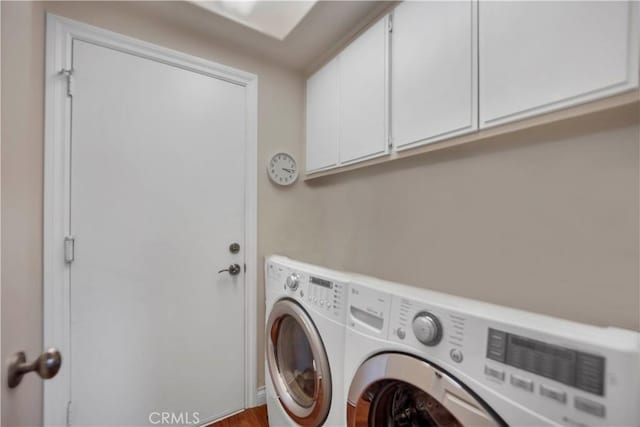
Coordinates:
298 364
396 403
397 390
295 361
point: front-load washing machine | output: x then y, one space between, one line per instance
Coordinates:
420 358
305 314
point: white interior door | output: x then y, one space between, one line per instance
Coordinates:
157 196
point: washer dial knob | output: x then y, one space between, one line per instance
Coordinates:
427 328
292 281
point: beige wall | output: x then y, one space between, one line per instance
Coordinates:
21 208
544 219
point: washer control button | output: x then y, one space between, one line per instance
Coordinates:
427 328
292 281
521 383
553 393
590 407
401 333
494 373
456 355
497 346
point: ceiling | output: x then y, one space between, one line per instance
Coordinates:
327 25
273 18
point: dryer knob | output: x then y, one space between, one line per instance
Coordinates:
292 281
427 328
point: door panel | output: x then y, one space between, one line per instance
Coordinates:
156 198
363 95
556 54
322 118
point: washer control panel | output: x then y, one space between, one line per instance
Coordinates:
574 368
429 328
368 310
571 378
578 382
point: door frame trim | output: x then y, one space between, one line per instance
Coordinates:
60 33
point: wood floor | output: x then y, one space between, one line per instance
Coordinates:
253 417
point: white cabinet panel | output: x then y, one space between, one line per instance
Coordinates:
322 118
434 71
363 95
537 57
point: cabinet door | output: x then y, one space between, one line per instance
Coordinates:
322 118
363 95
433 71
537 56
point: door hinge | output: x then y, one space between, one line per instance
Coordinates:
69 249
390 143
245 267
390 23
69 76
69 414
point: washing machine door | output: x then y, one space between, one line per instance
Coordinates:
298 364
394 389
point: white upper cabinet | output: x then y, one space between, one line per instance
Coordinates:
537 56
434 71
322 118
449 68
363 95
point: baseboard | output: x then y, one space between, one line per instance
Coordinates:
261 396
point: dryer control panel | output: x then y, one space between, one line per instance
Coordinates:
314 288
326 295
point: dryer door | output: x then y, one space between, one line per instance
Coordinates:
394 389
298 364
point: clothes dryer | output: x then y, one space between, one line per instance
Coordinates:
305 328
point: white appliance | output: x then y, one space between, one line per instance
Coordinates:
418 358
305 315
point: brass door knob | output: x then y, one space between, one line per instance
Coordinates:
46 366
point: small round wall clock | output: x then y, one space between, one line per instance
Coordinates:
283 169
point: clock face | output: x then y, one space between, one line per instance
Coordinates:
283 169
